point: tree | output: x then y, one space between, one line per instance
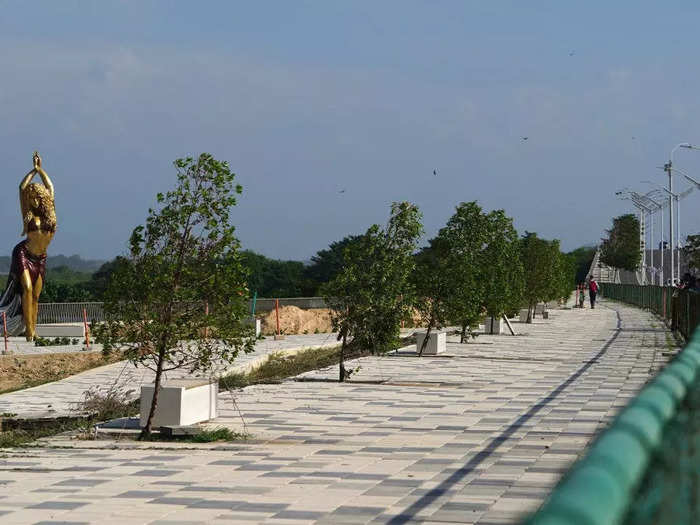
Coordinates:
432 283
621 248
327 263
583 258
180 300
466 234
371 294
502 271
692 251
274 278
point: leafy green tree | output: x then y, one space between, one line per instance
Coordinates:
432 285
181 299
275 278
692 251
371 294
536 260
466 233
621 248
328 263
502 271
583 258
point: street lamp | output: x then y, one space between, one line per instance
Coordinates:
668 167
638 201
656 198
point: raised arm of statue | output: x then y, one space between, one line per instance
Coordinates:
44 177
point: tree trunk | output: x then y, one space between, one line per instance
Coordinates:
529 313
146 432
341 367
463 335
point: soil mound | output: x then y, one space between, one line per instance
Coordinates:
294 320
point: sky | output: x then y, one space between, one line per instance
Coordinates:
328 111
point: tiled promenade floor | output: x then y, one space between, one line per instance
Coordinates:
479 435
60 397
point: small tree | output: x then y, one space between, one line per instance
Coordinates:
621 249
371 294
466 234
432 285
178 300
503 271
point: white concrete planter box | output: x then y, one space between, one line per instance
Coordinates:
497 326
60 330
437 342
540 308
523 315
181 402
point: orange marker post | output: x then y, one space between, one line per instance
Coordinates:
4 330
87 330
277 314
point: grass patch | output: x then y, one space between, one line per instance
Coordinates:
22 436
18 372
279 366
204 435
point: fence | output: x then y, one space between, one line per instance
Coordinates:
50 313
680 308
643 469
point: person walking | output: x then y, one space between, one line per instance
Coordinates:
581 296
592 291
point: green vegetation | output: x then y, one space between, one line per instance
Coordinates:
692 251
280 366
179 300
56 341
621 248
582 258
370 296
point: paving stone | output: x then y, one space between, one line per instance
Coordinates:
479 437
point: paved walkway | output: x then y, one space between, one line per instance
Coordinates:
60 398
479 435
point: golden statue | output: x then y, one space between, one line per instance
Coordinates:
20 300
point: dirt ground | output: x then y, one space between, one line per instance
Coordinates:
294 320
24 371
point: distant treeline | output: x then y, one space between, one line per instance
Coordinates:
72 279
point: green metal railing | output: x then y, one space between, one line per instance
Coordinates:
603 488
679 308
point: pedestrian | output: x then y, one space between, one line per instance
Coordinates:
581 296
592 291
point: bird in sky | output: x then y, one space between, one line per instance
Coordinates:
572 53
525 138
341 191
435 172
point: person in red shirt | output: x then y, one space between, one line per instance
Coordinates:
592 291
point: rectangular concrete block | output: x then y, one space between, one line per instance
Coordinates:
523 315
494 329
540 308
437 343
60 330
181 402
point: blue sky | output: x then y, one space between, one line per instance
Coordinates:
308 98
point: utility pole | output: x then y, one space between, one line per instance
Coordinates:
668 167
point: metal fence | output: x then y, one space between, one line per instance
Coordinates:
50 313
680 308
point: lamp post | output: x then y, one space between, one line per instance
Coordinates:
638 201
668 167
657 205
